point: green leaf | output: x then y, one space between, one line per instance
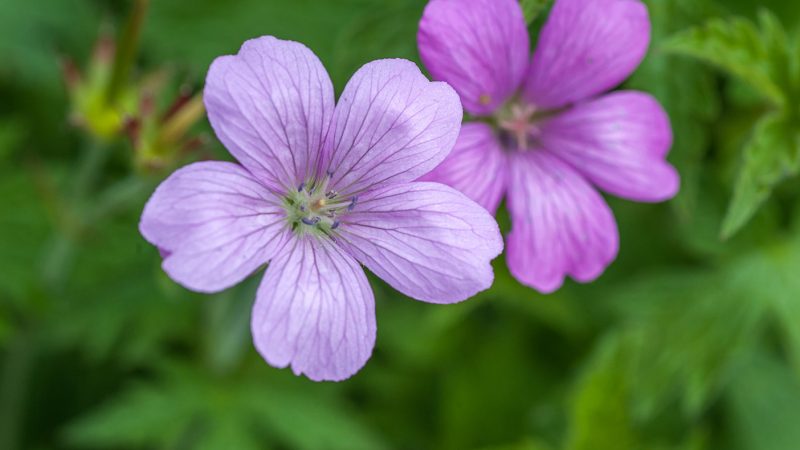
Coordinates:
11 134
600 416
116 308
532 8
383 28
770 157
757 55
775 269
227 331
188 408
145 414
302 418
688 91
24 227
764 405
32 32
686 331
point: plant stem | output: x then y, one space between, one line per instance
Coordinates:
127 47
15 377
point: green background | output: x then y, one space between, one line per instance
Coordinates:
689 341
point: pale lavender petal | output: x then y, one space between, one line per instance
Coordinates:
586 48
391 125
426 240
215 224
560 224
271 106
618 142
480 47
477 166
315 311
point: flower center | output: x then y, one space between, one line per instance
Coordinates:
518 123
314 208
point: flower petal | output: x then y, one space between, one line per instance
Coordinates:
215 224
480 47
586 47
391 125
477 166
618 142
271 106
560 224
315 311
426 240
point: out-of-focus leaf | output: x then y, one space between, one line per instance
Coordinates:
23 227
142 415
527 444
509 362
199 411
688 330
600 413
764 400
209 28
687 349
687 90
11 134
775 279
758 55
301 418
227 336
117 307
33 34
771 156
382 29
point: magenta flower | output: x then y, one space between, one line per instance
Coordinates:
546 135
321 188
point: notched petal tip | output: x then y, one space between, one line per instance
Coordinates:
561 226
271 106
315 312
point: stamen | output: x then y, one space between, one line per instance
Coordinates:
335 225
352 204
310 222
301 187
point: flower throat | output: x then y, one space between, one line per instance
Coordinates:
315 208
518 124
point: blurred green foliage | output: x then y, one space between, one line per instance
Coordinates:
689 341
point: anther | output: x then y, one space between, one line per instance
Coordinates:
335 225
301 187
310 222
352 204
331 194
